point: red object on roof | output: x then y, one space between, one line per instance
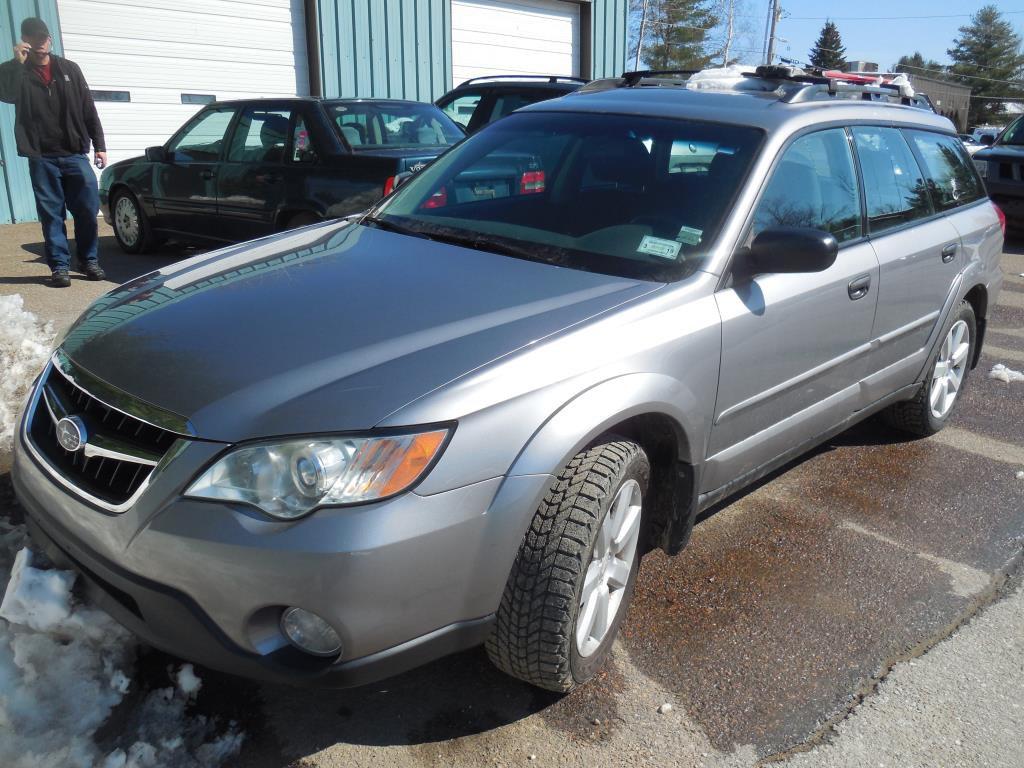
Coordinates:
835 74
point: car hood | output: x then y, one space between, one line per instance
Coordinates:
332 327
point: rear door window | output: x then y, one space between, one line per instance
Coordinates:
814 186
894 186
950 172
260 136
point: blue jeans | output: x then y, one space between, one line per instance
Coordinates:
63 184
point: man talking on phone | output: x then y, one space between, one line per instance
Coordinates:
55 122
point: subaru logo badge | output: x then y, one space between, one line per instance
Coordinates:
71 433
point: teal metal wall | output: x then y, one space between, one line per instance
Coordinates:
608 37
402 48
385 48
16 200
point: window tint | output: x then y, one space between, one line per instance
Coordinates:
260 136
202 141
461 108
893 184
814 186
951 173
507 103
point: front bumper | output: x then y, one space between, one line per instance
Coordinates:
403 581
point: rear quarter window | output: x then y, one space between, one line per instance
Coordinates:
951 176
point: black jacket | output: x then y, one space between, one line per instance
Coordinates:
81 124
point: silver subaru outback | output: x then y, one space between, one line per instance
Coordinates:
336 453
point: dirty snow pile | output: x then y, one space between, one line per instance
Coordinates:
24 348
1006 375
65 672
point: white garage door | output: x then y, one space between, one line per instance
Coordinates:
162 53
522 37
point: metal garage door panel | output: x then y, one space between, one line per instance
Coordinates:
159 49
500 37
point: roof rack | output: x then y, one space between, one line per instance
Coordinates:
543 78
641 78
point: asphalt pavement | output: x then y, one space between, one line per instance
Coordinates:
860 606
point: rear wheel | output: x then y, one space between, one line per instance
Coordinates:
573 577
131 227
935 402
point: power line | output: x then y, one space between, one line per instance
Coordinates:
887 18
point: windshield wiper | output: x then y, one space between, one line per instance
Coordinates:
390 226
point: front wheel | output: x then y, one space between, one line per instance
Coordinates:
573 577
131 227
935 401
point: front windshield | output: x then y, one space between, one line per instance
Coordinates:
392 125
624 195
1014 135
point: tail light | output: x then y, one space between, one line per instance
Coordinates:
437 200
1002 218
389 185
531 182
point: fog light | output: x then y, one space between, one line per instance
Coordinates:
308 632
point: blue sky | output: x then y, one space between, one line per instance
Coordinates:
872 40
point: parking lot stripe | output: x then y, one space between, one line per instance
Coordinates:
1011 299
965 580
979 445
1002 353
1015 332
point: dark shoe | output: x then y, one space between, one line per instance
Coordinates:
91 269
59 278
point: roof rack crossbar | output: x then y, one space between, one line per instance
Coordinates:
542 78
833 88
632 78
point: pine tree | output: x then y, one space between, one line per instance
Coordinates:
988 48
678 34
829 52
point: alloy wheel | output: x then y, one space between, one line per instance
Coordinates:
126 219
604 584
949 369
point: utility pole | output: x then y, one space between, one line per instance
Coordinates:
776 15
640 37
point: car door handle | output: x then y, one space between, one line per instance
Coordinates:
859 287
207 174
949 252
268 178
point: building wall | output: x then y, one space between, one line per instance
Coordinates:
385 48
410 42
950 99
17 203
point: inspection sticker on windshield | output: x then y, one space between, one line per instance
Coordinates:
665 249
689 235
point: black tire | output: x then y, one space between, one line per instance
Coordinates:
302 219
144 240
534 636
915 416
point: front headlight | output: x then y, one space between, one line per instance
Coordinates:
290 479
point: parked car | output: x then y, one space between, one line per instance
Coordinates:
243 169
344 451
482 100
1002 166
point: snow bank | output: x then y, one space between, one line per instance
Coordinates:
1001 373
66 667
24 349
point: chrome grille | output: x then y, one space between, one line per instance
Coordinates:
119 454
